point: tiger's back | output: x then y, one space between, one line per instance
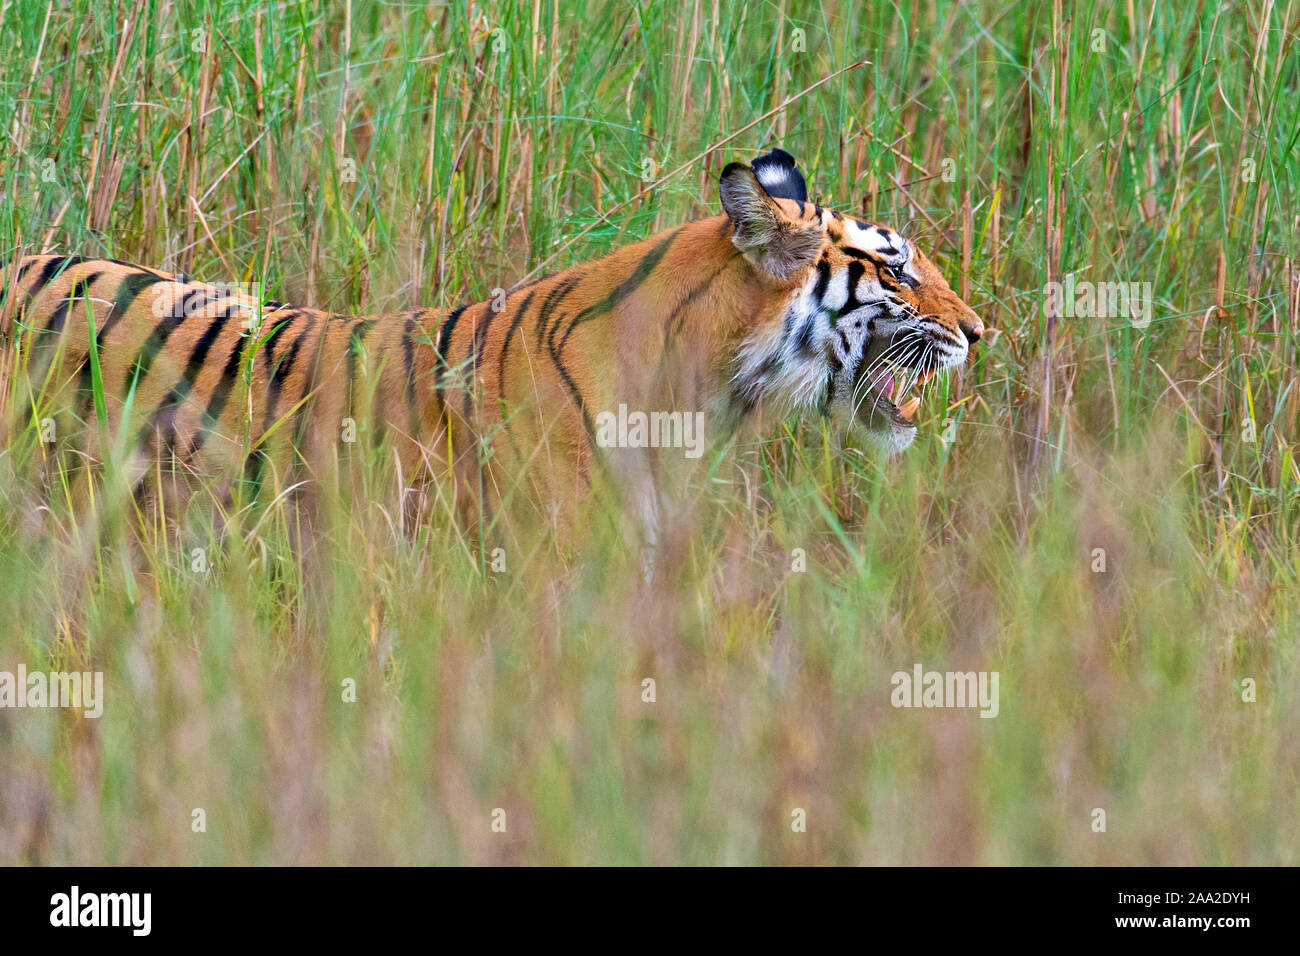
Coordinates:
216 381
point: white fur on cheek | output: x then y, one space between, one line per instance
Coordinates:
786 365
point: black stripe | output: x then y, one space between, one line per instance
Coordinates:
47 273
268 345
199 354
22 271
138 371
282 370
556 296
616 295
80 290
694 294
220 396
165 413
126 294
833 358
505 346
41 344
476 348
43 278
823 281
674 317
125 297
255 465
520 313
309 389
356 339
852 303
408 364
444 343
621 291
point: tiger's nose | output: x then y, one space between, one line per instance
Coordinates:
972 328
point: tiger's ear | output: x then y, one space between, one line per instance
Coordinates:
770 239
780 176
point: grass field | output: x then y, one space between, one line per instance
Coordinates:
1103 511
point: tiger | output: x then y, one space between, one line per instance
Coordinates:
774 306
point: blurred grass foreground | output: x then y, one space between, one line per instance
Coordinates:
1103 511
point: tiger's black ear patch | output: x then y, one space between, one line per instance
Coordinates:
780 176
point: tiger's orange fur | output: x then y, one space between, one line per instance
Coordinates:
720 315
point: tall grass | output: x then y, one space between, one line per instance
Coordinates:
379 156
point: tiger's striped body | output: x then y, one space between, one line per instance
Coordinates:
216 379
217 391
776 302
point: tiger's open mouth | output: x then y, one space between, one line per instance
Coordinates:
882 385
890 391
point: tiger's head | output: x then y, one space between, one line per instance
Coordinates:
864 317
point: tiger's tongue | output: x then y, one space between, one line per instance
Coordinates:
885 385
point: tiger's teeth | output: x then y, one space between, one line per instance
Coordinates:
909 407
